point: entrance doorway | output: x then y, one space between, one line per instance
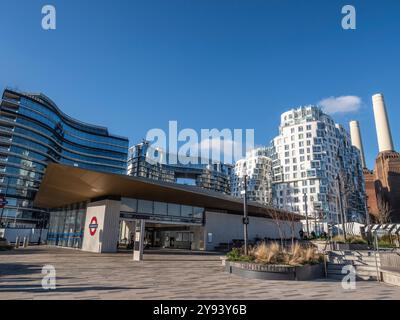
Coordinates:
167 236
161 235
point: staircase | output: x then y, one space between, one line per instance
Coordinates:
363 261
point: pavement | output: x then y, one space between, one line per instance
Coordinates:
82 275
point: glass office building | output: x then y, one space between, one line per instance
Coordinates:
34 132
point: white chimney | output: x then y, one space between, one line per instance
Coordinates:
385 141
356 140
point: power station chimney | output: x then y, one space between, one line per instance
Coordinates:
356 140
385 141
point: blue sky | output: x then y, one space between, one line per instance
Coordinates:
135 65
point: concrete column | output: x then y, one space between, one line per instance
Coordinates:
139 240
385 141
356 140
101 226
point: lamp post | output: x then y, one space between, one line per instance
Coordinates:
245 217
341 207
305 198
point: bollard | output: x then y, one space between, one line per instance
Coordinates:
17 242
24 243
27 242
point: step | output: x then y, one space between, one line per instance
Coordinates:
352 254
366 268
368 260
335 267
336 276
352 257
359 276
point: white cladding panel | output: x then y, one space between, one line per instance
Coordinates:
223 228
105 238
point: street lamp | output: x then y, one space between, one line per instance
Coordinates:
341 207
306 209
245 217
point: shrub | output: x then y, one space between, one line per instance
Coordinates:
236 255
273 253
267 254
350 239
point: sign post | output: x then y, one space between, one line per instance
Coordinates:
139 239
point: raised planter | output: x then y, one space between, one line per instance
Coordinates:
275 272
350 246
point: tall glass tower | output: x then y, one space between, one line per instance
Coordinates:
34 132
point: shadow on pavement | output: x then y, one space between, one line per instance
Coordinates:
38 288
19 269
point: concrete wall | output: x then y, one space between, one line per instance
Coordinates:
106 236
226 227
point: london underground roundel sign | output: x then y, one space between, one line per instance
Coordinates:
93 226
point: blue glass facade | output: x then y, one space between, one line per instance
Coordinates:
34 132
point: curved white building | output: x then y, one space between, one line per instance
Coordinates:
312 156
257 166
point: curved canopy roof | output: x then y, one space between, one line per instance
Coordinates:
63 185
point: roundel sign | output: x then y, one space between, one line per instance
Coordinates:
93 225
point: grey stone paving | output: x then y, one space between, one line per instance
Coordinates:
82 275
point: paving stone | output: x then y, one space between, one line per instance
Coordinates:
82 275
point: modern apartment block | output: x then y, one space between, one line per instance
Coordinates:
35 132
316 170
199 172
257 167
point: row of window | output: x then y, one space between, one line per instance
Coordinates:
56 119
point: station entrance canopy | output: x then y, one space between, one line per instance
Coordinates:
90 210
63 185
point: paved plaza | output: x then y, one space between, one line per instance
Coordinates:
82 275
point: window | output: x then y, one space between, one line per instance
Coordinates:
160 208
145 206
174 209
186 211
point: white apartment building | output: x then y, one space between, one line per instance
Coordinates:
257 166
312 156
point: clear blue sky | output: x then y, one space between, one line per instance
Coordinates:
135 65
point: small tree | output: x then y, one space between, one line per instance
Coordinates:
277 218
